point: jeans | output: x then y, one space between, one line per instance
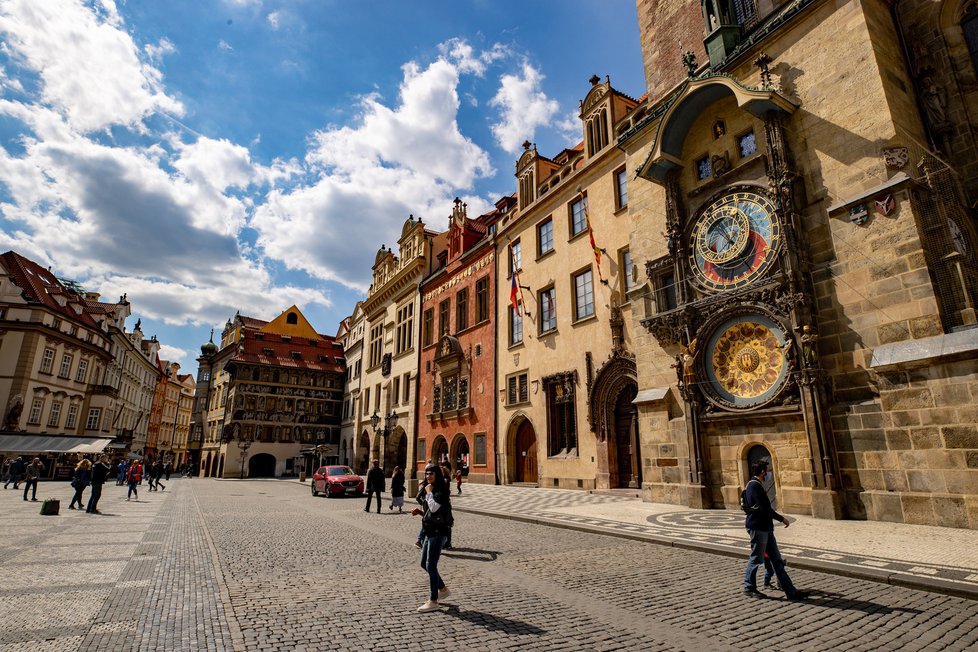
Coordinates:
93 499
761 542
132 489
77 498
430 552
30 483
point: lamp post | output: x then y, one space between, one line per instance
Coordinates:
390 422
244 443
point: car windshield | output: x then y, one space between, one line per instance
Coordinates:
339 470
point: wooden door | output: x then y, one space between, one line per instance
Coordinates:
526 453
626 440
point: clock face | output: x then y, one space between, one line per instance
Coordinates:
957 237
746 361
734 241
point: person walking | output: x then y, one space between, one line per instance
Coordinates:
435 508
122 471
5 472
397 490
16 471
760 526
133 476
81 479
446 472
100 472
376 484
458 481
31 475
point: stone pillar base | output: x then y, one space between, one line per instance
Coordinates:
698 496
827 504
411 486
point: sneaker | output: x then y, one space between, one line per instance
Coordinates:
443 593
430 605
71 506
417 544
797 595
753 593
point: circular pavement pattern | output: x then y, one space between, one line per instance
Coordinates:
719 520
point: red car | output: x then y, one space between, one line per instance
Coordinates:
336 481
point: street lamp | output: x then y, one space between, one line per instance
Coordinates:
390 422
244 443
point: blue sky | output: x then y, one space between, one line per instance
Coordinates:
216 156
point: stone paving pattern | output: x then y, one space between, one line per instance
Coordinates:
262 565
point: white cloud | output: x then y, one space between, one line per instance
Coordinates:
411 158
89 67
160 50
174 354
524 108
273 19
464 57
224 45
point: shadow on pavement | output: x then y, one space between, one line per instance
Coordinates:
839 601
495 623
471 553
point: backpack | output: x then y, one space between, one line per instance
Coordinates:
748 509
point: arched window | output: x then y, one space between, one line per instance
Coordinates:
969 25
292 318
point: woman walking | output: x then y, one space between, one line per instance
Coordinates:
436 520
397 490
81 479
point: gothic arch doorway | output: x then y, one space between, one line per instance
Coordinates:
460 452
759 453
525 453
396 452
207 467
261 465
628 454
361 461
439 451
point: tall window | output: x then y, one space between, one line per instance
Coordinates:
578 221
54 418
407 387
366 401
515 256
545 237
561 417
516 389
628 272
515 326
396 390
444 326
47 361
405 327
65 371
428 327
584 295
462 310
34 417
482 299
376 344
82 371
548 310
72 417
665 292
621 189
94 415
745 12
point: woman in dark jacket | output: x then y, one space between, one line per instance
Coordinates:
81 479
436 520
397 490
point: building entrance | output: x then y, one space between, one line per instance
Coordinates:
526 453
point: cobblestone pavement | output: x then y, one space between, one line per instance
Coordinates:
262 565
919 556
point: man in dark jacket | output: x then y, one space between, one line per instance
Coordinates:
376 483
100 471
760 527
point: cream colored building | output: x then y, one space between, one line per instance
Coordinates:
565 360
350 336
389 377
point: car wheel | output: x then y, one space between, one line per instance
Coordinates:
314 492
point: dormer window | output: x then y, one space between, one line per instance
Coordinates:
596 131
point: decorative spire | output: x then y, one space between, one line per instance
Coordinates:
594 80
763 61
689 60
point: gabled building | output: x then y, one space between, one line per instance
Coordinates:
457 385
350 337
389 380
565 356
272 398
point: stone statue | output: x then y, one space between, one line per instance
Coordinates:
809 348
935 103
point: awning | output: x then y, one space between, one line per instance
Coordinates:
50 444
